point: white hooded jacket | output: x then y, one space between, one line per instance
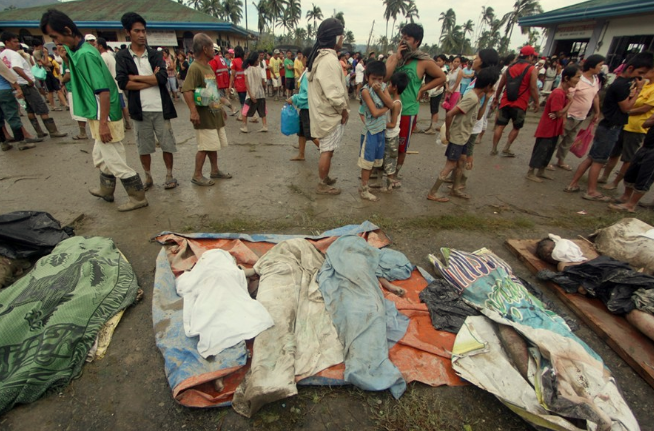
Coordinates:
327 93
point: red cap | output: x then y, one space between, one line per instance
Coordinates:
527 50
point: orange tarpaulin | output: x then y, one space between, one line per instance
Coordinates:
423 354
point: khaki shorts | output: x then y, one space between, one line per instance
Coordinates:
153 124
211 139
117 129
275 82
333 140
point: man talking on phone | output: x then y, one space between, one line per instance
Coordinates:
416 64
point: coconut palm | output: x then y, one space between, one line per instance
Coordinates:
310 30
212 7
521 8
233 10
452 40
195 4
293 12
263 15
349 38
276 10
315 13
449 21
468 27
339 16
411 11
300 36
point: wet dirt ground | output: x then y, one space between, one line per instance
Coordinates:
128 390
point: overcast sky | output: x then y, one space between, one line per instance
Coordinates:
359 15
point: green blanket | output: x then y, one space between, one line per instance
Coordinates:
50 318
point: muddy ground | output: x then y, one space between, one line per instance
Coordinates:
128 390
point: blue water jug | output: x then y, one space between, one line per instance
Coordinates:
290 120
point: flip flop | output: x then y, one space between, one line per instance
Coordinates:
328 191
598 198
564 167
493 153
508 154
202 182
459 194
80 138
572 189
550 168
170 184
609 187
437 199
620 208
147 185
221 175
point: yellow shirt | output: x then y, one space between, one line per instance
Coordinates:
299 68
275 65
646 97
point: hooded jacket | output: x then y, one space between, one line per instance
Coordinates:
327 93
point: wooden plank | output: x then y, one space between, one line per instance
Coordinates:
629 343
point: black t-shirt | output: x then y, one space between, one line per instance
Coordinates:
616 93
649 139
183 70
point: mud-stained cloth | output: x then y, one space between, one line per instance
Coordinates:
50 318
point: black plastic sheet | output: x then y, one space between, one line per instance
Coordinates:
447 310
30 234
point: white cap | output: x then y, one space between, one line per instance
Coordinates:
160 49
380 56
2 44
216 47
89 37
24 46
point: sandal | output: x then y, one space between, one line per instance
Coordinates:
550 168
620 208
170 184
459 194
506 153
609 187
437 199
574 189
221 175
564 167
493 153
598 198
80 138
148 184
202 182
328 190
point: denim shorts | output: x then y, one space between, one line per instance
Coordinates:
605 140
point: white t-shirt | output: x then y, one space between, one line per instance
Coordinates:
150 97
263 67
13 59
110 61
359 73
391 133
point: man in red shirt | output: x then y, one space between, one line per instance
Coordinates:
220 68
515 110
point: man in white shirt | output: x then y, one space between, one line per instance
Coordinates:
35 103
142 71
110 60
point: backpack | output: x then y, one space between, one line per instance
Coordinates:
513 84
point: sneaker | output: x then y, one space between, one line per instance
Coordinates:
5 146
364 192
264 129
243 129
430 132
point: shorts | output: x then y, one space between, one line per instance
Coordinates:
290 84
407 125
542 152
470 145
52 84
333 140
640 174
603 143
256 108
305 125
69 96
275 82
516 115
121 98
211 139
627 145
371 153
454 152
35 103
153 124
172 84
391 148
435 104
241 97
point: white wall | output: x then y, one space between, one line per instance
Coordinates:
632 26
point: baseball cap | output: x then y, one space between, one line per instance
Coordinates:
24 46
160 49
231 51
276 51
527 50
380 56
89 37
216 47
2 44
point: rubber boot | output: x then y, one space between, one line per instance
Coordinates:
106 189
37 128
52 128
134 188
4 145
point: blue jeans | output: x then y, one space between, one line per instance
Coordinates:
9 107
605 139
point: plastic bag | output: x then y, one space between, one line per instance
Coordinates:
38 72
290 120
583 140
30 234
443 135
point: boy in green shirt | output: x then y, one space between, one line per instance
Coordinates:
95 97
289 74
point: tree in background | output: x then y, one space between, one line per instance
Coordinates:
349 38
339 16
412 11
521 8
233 10
315 13
263 15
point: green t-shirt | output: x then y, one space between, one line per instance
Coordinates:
409 97
289 73
89 77
202 76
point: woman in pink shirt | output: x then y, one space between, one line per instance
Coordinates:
585 96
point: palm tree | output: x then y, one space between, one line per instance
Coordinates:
233 10
468 27
411 11
293 12
521 8
195 4
349 38
452 40
315 13
310 30
276 10
449 21
263 15
300 36
339 16
212 7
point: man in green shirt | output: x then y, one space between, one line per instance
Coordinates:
95 97
289 74
65 74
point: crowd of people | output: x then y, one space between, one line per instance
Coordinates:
112 90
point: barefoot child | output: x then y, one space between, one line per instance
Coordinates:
375 103
301 101
396 86
458 125
550 126
255 98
